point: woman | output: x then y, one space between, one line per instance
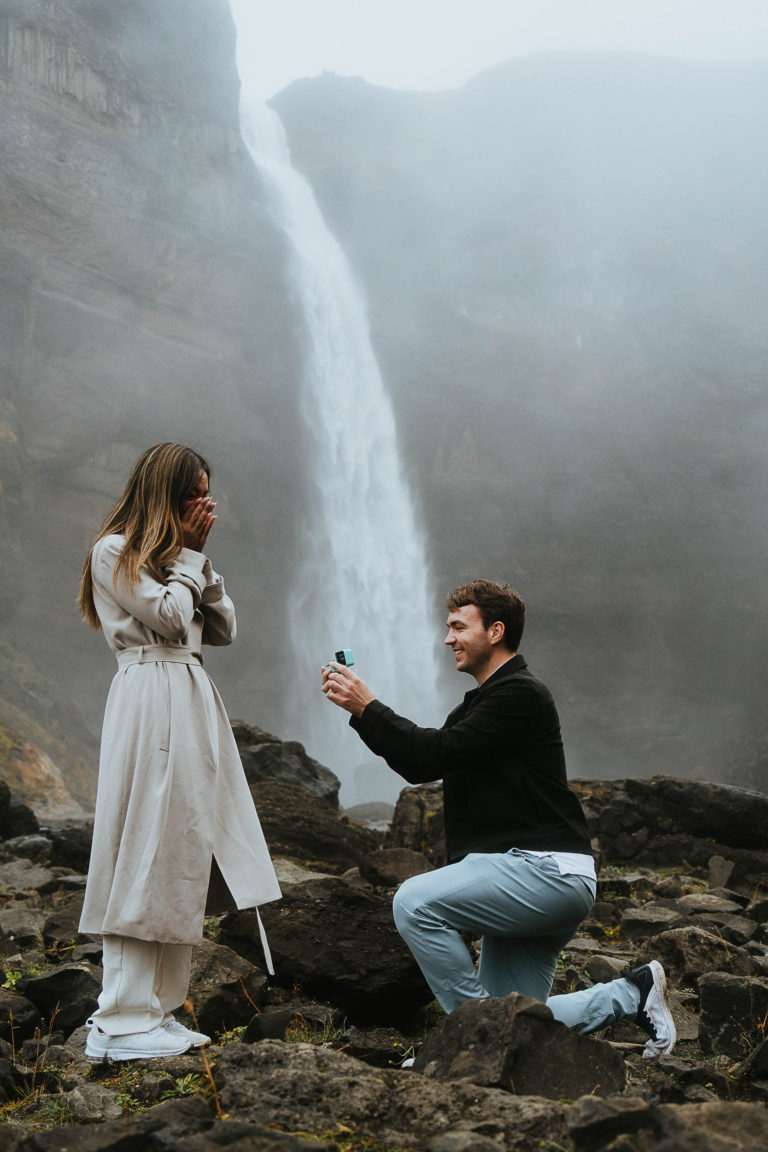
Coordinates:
175 834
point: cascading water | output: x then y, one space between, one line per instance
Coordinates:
362 579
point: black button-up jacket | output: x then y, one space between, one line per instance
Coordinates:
500 757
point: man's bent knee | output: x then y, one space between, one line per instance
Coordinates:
404 905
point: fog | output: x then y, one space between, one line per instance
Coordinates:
553 218
429 44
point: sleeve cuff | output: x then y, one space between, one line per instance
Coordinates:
188 568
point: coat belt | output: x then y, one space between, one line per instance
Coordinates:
157 654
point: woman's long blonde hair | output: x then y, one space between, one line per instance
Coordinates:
148 514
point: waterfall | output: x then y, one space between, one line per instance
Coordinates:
361 579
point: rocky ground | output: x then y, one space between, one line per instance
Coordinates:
311 1059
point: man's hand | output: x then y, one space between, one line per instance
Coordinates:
196 521
344 689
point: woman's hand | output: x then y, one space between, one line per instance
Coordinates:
344 689
196 521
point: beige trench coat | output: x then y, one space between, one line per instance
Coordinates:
172 796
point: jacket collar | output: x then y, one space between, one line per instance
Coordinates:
508 668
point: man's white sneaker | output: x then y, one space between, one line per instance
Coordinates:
653 1014
174 1028
134 1045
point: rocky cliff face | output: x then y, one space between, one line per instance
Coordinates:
565 266
140 299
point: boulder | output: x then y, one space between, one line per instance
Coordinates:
379 1047
186 1123
224 988
338 942
732 1013
389 867
515 1043
302 1087
755 1067
269 1025
418 822
61 929
71 843
734 929
719 871
721 812
20 875
309 830
265 757
34 847
593 1122
650 920
688 953
20 929
19 1017
93 1102
67 995
627 1124
16 818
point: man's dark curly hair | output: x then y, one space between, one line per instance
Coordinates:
494 602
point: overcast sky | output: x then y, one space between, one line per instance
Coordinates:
440 43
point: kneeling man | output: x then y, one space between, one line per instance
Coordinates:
520 871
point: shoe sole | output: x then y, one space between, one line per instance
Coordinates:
131 1054
660 988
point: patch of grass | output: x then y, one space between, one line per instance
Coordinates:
342 1138
12 977
190 1085
324 1034
232 1035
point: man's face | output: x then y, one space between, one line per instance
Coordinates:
469 639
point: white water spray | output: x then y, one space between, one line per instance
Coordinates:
362 578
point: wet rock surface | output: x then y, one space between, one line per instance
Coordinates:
311 1058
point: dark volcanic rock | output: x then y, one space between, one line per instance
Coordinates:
67 995
310 830
390 866
61 932
624 1124
265 757
687 953
71 843
16 818
19 1017
515 1043
733 1013
224 988
338 942
314 1090
418 822
20 929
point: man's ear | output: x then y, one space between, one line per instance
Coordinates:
496 632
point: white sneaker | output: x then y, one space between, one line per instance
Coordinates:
653 1013
174 1028
134 1045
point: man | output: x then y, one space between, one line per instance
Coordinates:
520 871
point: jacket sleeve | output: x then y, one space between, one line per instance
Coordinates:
500 717
219 624
165 608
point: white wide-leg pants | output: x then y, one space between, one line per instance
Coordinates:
144 982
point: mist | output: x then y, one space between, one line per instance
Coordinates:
561 260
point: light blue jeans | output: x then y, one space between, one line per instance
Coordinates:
526 912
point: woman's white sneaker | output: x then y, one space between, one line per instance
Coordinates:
135 1045
174 1028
